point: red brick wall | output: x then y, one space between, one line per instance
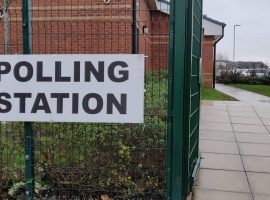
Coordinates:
160 40
153 44
144 19
78 26
207 60
73 27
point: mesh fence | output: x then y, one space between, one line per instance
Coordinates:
87 160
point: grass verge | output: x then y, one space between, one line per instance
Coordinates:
259 89
212 94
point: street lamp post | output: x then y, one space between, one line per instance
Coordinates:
234 41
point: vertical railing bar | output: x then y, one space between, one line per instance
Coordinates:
6 26
28 129
176 100
134 27
170 104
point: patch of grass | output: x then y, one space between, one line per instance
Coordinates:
259 89
212 94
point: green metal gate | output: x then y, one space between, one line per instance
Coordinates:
192 111
184 106
155 160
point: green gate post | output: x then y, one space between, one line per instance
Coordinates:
176 99
29 140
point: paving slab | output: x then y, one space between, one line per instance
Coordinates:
252 138
261 197
209 108
216 113
250 149
259 183
215 131
240 108
259 108
246 120
209 146
242 114
211 118
214 103
216 126
257 164
221 180
257 129
265 115
222 162
237 103
217 135
220 195
266 121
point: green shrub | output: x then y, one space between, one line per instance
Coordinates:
266 79
230 77
227 77
122 160
251 80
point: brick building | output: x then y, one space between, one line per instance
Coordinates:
93 27
213 32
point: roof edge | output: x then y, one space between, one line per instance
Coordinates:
158 5
214 21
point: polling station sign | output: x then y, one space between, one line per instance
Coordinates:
72 88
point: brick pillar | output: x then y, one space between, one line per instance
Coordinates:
208 61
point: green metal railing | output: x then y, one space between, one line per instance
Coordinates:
192 95
29 136
184 97
176 101
154 160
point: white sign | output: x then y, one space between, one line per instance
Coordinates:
72 88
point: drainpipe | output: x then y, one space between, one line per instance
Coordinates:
134 27
214 64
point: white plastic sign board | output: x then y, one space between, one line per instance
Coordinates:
72 88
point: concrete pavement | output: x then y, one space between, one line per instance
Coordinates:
243 95
235 146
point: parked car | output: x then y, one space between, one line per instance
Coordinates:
254 72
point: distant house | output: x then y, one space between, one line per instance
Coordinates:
229 65
224 65
213 32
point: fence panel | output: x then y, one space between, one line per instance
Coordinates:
87 160
192 100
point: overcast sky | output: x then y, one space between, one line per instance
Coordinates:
253 37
